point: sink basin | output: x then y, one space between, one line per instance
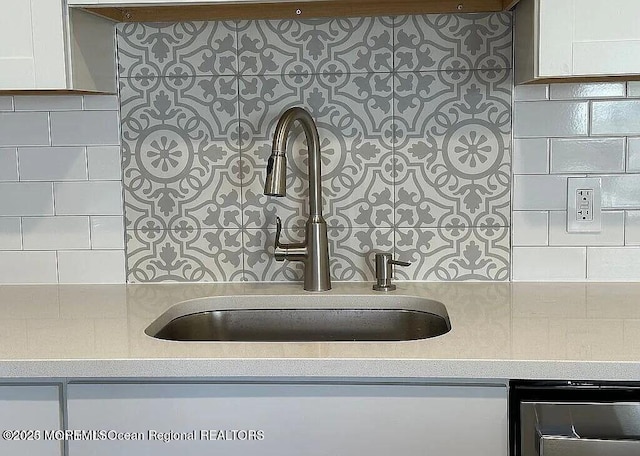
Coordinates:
305 318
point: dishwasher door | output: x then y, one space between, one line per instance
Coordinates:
580 429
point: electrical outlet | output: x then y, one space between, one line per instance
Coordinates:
584 213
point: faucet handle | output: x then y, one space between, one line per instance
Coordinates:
384 272
295 251
399 263
278 231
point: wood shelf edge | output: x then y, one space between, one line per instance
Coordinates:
293 10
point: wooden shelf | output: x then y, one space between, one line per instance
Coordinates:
297 10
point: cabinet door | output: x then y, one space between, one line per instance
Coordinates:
290 420
589 37
32 45
30 408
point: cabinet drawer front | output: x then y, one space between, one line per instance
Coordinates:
289 420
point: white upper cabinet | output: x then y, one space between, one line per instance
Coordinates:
44 46
576 38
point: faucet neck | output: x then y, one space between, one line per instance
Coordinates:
285 124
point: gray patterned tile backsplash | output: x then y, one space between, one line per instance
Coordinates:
414 117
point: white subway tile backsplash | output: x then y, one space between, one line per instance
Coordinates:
28 267
104 163
6 103
26 198
10 233
52 163
619 117
8 164
531 92
566 91
549 263
632 228
84 128
88 198
610 149
55 233
612 232
633 155
47 102
107 232
530 228
101 103
91 266
24 129
550 119
530 156
539 192
621 192
592 155
613 263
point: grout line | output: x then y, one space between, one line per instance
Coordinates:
21 231
18 163
89 217
624 228
57 267
394 137
53 197
49 128
241 154
586 262
549 156
626 154
589 117
86 163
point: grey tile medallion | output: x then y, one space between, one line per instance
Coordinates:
352 115
181 159
452 158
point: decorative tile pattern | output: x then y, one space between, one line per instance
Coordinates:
415 159
315 46
351 252
184 255
453 42
177 49
181 159
453 253
355 131
452 159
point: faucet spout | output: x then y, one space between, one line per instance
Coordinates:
314 252
276 168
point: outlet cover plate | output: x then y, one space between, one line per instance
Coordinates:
584 199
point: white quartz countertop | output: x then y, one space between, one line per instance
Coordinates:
585 331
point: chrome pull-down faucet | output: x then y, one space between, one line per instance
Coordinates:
314 251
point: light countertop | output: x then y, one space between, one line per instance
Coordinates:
571 331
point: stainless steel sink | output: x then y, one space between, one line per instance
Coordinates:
336 318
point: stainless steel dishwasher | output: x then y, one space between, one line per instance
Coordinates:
574 419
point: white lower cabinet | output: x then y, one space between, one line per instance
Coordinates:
288 419
26 414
